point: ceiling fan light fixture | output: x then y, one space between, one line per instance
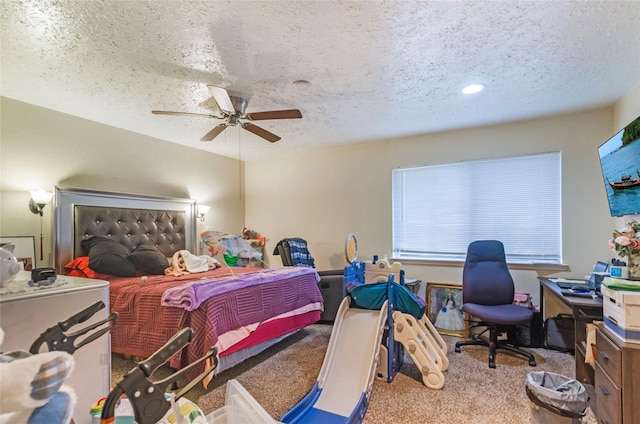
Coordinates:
233 110
473 89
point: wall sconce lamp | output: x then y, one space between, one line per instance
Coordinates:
202 211
39 199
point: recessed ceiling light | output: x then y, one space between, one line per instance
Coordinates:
473 88
301 83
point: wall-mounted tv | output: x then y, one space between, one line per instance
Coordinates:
620 163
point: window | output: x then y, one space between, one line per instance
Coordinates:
438 210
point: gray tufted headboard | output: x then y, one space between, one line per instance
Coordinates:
167 223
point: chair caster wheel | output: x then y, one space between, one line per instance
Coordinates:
532 363
457 349
492 365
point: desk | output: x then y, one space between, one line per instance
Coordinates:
584 310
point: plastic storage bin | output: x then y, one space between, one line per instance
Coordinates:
555 399
240 408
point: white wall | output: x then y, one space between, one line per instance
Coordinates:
323 195
41 148
627 108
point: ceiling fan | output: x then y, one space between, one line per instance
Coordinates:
233 110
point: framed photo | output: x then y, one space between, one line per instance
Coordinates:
444 309
25 249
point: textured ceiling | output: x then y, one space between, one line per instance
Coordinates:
378 69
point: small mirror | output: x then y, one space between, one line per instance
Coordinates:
351 248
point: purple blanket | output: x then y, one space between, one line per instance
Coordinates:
189 296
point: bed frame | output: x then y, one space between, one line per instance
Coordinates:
168 223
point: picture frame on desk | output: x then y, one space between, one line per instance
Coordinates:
24 251
444 309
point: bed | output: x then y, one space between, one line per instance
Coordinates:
242 311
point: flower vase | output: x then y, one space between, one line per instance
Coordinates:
634 265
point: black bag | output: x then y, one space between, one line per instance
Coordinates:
531 334
559 333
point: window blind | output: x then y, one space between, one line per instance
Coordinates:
438 210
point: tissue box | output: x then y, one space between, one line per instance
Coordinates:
621 310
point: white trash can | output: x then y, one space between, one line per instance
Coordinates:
555 399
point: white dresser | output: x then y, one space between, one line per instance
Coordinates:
25 314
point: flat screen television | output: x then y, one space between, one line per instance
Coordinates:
620 164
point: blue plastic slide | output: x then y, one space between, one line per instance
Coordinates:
341 393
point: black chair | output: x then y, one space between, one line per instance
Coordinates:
294 252
487 294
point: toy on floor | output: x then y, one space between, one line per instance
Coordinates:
148 399
373 325
373 282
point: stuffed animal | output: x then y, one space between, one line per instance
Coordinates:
253 237
248 233
9 266
32 389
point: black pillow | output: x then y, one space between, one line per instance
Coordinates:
148 260
107 256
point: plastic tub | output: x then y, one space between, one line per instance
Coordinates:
240 408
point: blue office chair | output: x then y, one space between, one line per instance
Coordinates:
487 294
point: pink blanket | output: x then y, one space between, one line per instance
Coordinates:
144 325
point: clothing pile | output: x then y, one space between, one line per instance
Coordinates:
296 249
185 262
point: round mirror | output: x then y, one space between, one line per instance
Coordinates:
351 248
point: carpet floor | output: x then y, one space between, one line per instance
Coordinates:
473 393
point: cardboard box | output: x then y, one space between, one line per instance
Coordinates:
625 336
621 310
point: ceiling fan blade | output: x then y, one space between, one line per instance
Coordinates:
275 114
166 112
261 132
214 132
222 98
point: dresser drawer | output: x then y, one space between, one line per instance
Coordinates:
605 418
608 398
609 357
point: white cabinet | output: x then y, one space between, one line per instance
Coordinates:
25 315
